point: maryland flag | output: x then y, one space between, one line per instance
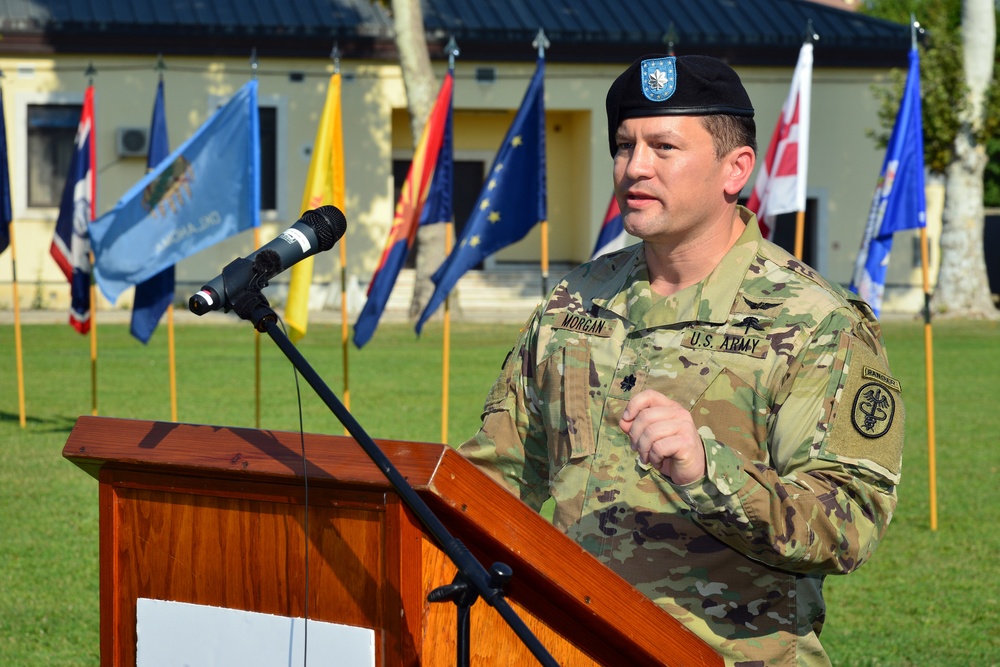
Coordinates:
324 185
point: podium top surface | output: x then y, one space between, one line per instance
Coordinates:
556 578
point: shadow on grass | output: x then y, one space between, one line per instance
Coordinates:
55 424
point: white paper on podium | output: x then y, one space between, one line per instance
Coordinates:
178 634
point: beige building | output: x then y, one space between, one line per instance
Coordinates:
843 167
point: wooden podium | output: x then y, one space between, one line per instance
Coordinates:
215 516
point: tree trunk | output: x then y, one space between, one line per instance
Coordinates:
421 91
963 284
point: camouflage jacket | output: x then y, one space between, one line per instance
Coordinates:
787 380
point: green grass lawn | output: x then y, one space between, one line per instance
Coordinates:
927 598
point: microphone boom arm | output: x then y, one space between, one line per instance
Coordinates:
472 579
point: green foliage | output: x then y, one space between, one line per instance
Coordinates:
943 88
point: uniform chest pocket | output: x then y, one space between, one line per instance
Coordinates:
563 380
722 402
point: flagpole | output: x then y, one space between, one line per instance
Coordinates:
93 341
160 66
345 333
91 71
800 215
446 346
928 346
453 52
800 232
18 350
256 246
17 329
541 43
929 364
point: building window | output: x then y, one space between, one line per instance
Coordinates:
51 134
269 114
268 158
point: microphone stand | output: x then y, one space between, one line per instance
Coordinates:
472 579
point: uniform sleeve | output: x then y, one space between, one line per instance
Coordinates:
835 438
510 445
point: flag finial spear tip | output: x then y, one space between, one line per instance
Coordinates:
541 42
253 63
335 57
451 48
811 35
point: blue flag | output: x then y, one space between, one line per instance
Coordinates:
5 211
207 190
899 202
153 296
512 200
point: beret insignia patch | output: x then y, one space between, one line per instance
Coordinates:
874 408
659 78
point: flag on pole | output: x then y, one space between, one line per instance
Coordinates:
612 236
207 190
512 200
5 208
898 202
410 208
71 243
781 182
324 185
153 296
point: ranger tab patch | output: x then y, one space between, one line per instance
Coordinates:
592 326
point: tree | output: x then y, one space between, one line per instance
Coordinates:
421 90
961 112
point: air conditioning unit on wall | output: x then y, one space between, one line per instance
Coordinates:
132 141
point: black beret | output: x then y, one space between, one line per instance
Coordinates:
660 85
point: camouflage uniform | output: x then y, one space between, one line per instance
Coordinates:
786 378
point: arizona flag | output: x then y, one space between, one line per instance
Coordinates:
324 185
781 181
899 202
612 236
71 244
409 208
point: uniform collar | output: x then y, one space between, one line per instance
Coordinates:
711 300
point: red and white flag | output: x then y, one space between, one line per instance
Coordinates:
781 181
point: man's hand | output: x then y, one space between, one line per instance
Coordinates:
664 435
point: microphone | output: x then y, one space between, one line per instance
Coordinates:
316 231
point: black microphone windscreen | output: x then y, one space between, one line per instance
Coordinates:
329 224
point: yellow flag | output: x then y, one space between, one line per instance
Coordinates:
324 185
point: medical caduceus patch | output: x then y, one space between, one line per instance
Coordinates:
874 408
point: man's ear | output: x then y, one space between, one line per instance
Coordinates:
740 163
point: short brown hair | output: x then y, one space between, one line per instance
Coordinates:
730 132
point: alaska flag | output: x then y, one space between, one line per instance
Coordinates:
612 236
207 190
71 243
412 205
899 202
512 200
5 210
154 295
